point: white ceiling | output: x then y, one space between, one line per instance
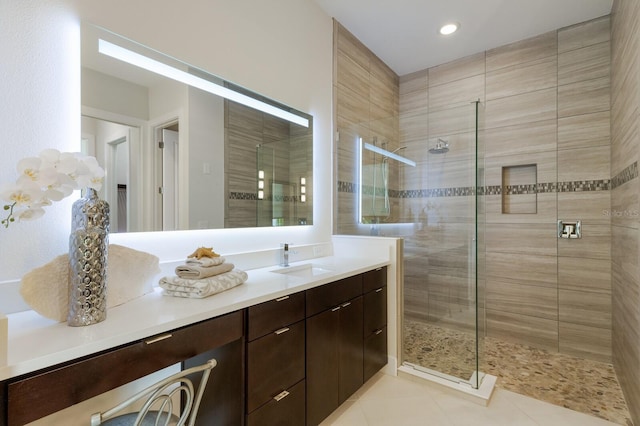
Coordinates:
403 33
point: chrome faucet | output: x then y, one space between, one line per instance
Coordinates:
285 254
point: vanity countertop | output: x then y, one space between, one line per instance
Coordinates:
36 342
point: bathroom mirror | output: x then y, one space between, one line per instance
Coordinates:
184 149
379 172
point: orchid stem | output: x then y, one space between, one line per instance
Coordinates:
9 217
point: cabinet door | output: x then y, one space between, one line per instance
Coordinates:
375 310
323 360
351 348
375 353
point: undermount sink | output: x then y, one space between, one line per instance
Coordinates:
304 270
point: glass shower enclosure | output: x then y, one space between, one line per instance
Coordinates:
430 192
443 292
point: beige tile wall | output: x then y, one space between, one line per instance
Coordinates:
546 103
584 94
292 151
625 150
366 100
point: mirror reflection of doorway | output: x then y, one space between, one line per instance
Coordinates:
110 143
116 189
169 191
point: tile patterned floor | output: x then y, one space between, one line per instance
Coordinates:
395 401
582 385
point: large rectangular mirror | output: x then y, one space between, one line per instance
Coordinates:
184 149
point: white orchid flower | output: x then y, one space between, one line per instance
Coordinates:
24 194
29 168
90 174
51 176
32 213
62 162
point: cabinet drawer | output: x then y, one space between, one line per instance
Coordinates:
330 295
375 310
287 411
274 363
270 316
375 353
40 395
374 279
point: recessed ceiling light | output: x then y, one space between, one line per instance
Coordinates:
449 28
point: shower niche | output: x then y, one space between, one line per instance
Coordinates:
519 189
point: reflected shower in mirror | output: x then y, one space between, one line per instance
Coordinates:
379 173
181 147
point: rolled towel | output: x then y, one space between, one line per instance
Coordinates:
198 289
199 272
205 261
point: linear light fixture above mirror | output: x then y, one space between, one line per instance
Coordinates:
389 154
141 61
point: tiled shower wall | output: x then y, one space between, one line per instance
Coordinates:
366 105
625 218
547 106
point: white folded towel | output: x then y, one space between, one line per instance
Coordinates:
205 261
198 289
199 272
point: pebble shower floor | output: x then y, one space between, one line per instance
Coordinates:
582 385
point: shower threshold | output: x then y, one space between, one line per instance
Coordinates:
463 388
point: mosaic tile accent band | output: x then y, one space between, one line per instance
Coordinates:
629 173
539 188
252 196
243 196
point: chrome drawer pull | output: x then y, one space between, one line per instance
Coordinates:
281 396
379 290
337 308
378 332
282 330
280 299
344 305
158 339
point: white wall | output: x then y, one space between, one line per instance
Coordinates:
108 93
40 85
282 49
206 150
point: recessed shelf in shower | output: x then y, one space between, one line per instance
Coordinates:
519 189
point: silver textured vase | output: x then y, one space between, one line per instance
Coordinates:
88 245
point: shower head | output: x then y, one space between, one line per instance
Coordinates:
441 147
398 149
386 158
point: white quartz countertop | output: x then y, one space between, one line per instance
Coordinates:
36 342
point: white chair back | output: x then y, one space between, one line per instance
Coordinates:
158 409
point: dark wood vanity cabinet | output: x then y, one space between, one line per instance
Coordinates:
334 346
375 321
290 361
346 339
276 362
30 397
